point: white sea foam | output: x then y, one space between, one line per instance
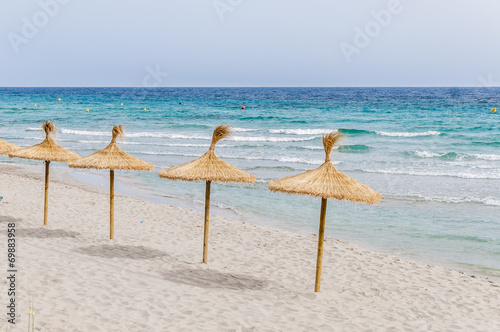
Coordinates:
425 154
457 156
219 205
455 200
179 136
34 129
238 129
154 144
85 132
464 175
301 131
280 159
137 134
487 156
92 142
168 135
313 147
190 137
491 201
270 139
300 160
408 134
161 153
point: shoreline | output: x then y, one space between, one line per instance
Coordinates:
128 185
151 278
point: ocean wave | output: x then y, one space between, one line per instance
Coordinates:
425 154
190 137
314 147
355 132
219 205
482 143
137 134
159 153
486 156
463 175
454 155
356 148
491 201
301 131
280 159
238 129
408 134
181 145
201 145
85 132
300 160
88 142
460 238
33 129
270 139
177 136
281 168
21 138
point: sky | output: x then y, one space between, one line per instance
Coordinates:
262 43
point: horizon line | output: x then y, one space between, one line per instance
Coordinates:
241 87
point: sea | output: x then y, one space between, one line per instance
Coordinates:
433 153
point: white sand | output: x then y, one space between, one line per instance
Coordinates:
150 278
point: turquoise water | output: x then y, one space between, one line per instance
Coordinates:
432 152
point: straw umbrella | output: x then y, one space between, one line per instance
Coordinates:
47 151
111 157
208 168
6 147
326 182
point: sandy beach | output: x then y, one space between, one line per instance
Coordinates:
150 278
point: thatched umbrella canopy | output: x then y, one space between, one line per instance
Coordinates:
208 168
111 157
47 151
6 147
326 182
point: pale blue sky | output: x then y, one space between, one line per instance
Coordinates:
251 43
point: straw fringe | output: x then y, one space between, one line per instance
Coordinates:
112 157
326 181
6 147
208 167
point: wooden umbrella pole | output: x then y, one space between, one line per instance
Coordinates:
207 217
321 237
46 206
112 204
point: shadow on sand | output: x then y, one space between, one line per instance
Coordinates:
214 279
45 233
6 219
120 251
